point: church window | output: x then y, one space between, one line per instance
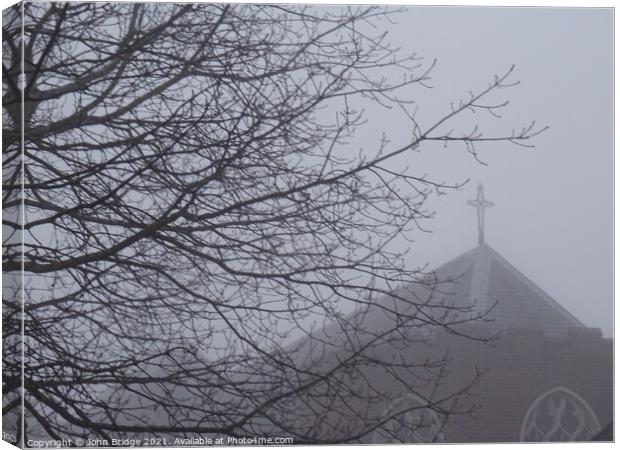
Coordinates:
559 415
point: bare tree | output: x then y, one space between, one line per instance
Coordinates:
203 249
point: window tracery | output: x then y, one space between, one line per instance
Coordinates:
559 415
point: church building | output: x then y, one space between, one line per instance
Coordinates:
545 377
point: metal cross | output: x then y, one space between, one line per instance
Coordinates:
480 203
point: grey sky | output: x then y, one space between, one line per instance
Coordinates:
552 217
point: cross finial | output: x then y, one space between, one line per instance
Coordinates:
481 204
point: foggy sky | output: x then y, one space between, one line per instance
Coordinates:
552 217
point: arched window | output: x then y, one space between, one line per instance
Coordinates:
410 421
559 415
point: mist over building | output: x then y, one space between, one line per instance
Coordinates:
266 224
525 368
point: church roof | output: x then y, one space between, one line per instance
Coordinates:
479 286
484 277
512 300
478 282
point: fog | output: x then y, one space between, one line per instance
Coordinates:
213 236
552 217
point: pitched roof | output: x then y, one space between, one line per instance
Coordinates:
514 301
478 281
482 281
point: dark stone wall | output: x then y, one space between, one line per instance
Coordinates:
521 366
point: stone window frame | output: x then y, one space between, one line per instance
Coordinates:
590 415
